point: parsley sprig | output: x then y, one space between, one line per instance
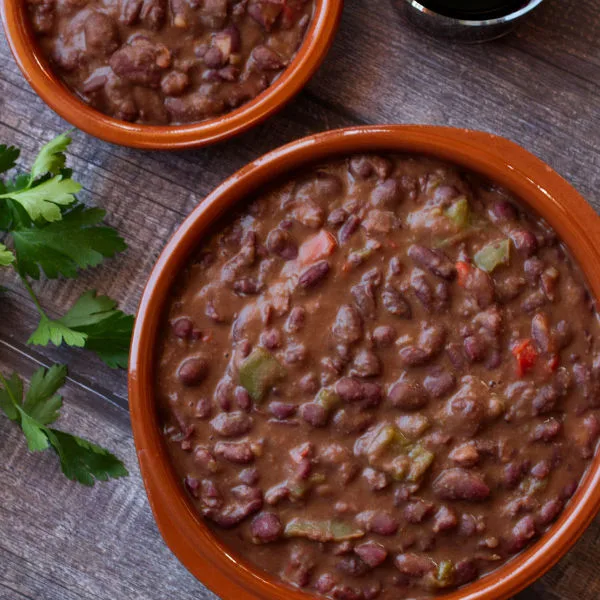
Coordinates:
80 460
47 231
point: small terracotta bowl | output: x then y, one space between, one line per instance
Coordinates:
56 95
502 161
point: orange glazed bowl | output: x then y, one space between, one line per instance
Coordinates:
38 72
538 186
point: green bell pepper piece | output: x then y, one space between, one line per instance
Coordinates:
493 255
259 373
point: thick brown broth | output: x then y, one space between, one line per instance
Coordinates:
355 404
177 61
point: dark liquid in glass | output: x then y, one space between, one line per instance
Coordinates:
474 9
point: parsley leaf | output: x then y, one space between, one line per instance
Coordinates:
93 322
41 201
60 248
6 256
8 157
80 460
51 158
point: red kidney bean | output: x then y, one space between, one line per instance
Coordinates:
345 592
512 475
502 211
182 327
416 512
352 565
372 590
209 494
378 521
235 452
522 533
433 260
439 382
545 400
465 571
413 565
387 194
549 511
547 430
475 348
465 455
407 394
365 364
337 217
314 274
371 553
193 371
296 320
271 338
349 422
395 303
266 527
376 480
282 410
414 356
445 519
364 298
348 229
422 289
324 584
232 424
348 327
295 354
203 408
205 460
249 476
246 286
314 414
525 241
384 336
282 244
242 399
459 484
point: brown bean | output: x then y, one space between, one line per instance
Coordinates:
465 571
282 244
182 327
387 194
547 430
422 288
364 298
503 211
232 424
445 519
433 260
525 241
522 533
193 371
337 217
264 12
465 455
413 356
416 512
296 320
549 511
235 452
247 286
540 332
314 274
459 484
475 348
352 565
282 410
324 584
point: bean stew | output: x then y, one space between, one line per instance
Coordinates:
381 378
179 61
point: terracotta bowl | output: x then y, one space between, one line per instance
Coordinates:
502 161
56 95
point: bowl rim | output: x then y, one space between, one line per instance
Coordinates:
38 72
503 161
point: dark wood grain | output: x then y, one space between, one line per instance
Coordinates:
539 87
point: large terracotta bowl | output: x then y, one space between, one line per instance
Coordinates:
502 161
56 95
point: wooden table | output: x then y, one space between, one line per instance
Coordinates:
538 87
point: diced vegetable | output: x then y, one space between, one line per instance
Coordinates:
462 269
445 574
322 531
526 356
317 247
328 399
259 373
398 467
297 490
493 255
459 212
421 460
531 485
317 478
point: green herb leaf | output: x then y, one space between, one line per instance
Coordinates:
42 201
80 460
93 322
56 332
6 256
51 158
83 461
61 248
42 402
8 157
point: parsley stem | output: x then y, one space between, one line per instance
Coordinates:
33 296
